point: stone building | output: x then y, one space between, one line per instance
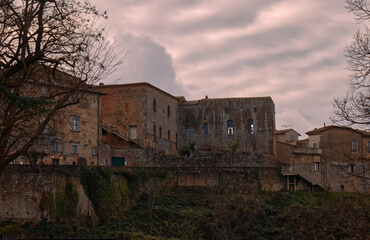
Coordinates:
241 124
72 138
336 159
138 115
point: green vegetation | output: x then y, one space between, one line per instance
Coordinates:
62 204
188 214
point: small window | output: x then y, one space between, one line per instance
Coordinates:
353 145
93 151
154 105
250 126
46 127
207 111
43 90
75 122
154 133
74 163
205 128
368 147
230 129
169 135
56 146
160 132
74 148
226 110
255 109
317 166
352 168
168 111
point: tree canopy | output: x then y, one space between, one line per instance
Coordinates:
354 108
46 44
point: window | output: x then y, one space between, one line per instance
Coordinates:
168 111
169 135
226 110
205 128
43 90
230 129
207 111
255 109
56 146
250 126
154 105
368 147
352 168
160 132
353 145
93 151
75 122
46 127
314 145
74 148
316 166
154 133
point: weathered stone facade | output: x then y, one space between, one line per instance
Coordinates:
336 158
72 138
141 114
239 124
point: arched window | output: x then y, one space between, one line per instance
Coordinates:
230 129
154 105
250 126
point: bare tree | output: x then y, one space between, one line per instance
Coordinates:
50 53
354 108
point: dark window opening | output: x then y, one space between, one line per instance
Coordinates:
160 132
353 145
154 133
207 111
317 166
169 135
154 105
352 168
255 109
206 129
250 126
230 129
168 111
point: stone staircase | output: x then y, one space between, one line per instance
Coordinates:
299 171
123 134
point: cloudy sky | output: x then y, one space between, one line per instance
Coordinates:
291 50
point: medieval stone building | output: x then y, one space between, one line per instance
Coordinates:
335 158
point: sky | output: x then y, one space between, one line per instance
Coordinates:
291 50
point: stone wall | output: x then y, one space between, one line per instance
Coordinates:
24 190
204 123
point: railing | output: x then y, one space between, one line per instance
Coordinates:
305 150
305 173
120 237
123 134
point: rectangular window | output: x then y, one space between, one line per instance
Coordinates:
368 147
352 168
353 145
56 146
169 135
93 151
206 129
74 148
207 111
75 122
317 166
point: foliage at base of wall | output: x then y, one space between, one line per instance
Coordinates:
62 204
185 214
111 192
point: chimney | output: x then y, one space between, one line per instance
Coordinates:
101 84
